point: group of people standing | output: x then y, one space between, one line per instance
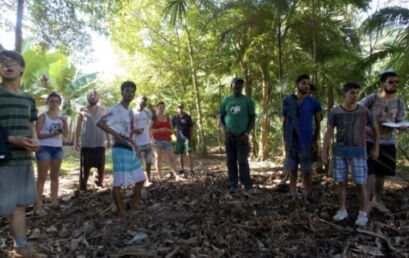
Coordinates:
364 144
23 132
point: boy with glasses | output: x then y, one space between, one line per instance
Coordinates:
17 116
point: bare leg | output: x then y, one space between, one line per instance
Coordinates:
136 198
363 197
307 181
116 194
148 171
379 183
182 164
172 163
371 187
189 157
54 177
42 168
293 182
18 222
342 195
158 162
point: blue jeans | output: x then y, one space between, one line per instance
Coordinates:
237 154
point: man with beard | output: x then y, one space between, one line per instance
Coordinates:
385 107
298 111
92 140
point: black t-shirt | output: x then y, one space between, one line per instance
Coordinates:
183 125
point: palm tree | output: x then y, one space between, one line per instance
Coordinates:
177 10
392 21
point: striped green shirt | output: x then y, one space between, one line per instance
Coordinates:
17 111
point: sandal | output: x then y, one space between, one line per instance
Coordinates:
40 213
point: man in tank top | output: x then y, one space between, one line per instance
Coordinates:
90 140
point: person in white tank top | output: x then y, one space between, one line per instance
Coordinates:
50 127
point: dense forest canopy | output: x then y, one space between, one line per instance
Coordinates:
188 51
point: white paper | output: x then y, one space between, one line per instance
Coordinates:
396 125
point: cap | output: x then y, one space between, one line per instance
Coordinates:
140 98
237 79
180 105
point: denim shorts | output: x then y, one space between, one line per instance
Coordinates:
163 145
359 169
49 152
301 156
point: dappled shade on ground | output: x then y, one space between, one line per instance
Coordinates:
199 218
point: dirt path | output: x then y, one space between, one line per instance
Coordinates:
199 218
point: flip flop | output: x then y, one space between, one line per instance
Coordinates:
40 213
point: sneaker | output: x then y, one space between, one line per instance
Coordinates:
381 207
293 196
309 203
341 215
233 190
247 193
362 219
27 251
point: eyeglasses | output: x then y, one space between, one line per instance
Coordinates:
392 82
8 62
54 101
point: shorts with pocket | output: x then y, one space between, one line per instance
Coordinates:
358 166
49 152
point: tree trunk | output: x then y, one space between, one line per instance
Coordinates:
280 51
314 45
248 90
201 136
19 25
265 122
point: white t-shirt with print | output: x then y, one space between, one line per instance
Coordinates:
118 118
141 120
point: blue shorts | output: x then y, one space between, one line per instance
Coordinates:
48 152
359 169
300 156
162 145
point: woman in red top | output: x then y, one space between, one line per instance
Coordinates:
161 129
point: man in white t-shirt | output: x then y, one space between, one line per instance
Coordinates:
127 168
143 140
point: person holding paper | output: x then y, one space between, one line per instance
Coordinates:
386 107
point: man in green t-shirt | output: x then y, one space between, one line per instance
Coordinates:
236 117
17 185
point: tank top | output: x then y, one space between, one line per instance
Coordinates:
162 136
91 135
49 127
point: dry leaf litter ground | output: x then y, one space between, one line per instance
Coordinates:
199 218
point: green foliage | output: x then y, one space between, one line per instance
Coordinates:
175 50
63 77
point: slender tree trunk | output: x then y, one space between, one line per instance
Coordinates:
248 83
19 25
314 44
202 140
280 51
265 122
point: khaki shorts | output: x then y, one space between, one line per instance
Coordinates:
17 188
145 153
